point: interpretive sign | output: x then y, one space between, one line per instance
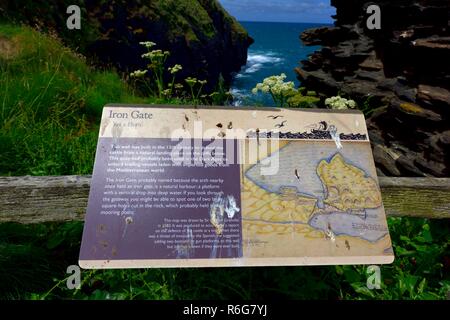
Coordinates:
198 187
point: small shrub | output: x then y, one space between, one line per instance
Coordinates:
279 90
339 103
300 101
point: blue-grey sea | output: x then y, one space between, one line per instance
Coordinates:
277 49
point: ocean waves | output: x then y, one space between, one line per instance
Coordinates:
259 60
260 64
239 97
276 50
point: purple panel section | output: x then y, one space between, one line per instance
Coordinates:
126 223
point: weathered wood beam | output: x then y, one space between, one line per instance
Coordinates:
64 198
416 197
43 199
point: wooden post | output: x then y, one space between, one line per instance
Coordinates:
64 198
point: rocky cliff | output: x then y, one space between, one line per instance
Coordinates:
404 69
200 34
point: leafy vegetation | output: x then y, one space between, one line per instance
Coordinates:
183 18
33 262
50 102
339 103
48 99
370 105
284 93
298 100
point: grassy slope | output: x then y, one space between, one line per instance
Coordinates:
48 97
189 18
184 15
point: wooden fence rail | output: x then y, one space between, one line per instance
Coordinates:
64 198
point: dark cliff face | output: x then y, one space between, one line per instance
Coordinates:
404 68
200 34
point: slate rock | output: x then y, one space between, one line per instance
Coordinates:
404 67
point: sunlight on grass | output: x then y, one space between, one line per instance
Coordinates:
50 104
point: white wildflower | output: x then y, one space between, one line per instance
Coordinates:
147 44
340 103
351 104
147 55
138 73
175 69
191 81
275 85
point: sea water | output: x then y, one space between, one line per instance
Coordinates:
277 49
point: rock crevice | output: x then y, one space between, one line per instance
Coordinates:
403 69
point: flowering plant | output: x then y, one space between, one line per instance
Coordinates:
339 103
156 85
192 83
279 90
157 60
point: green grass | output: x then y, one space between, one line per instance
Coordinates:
50 102
191 19
37 258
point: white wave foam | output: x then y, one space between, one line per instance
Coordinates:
236 91
238 97
262 58
253 68
240 75
257 61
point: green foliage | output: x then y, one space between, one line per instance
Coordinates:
47 97
221 96
340 103
188 19
300 101
104 87
153 82
49 16
421 247
368 106
284 93
277 88
183 15
34 256
156 65
50 103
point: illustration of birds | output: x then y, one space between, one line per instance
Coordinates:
280 124
323 125
274 117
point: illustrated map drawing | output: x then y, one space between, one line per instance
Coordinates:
319 194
